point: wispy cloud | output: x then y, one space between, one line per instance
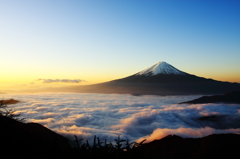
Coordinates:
61 80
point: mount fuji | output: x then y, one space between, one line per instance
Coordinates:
160 79
162 72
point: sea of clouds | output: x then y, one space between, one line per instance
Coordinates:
132 117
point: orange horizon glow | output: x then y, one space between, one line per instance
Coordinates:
13 84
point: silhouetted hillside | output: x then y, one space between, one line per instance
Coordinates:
209 147
19 140
31 140
231 97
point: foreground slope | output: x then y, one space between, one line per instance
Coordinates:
20 140
30 140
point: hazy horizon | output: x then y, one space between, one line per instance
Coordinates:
49 85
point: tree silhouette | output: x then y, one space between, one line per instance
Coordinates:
4 111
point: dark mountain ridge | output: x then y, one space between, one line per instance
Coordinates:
159 79
212 146
160 85
231 97
162 79
167 78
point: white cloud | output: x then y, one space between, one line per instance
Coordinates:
43 121
132 117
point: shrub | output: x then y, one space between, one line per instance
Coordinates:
119 149
4 111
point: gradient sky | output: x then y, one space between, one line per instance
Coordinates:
102 40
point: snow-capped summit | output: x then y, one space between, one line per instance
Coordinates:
161 68
159 79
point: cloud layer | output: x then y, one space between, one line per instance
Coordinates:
131 117
61 80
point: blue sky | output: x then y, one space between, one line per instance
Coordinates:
102 40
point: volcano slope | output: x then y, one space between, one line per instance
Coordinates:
159 79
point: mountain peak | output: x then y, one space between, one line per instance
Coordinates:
161 68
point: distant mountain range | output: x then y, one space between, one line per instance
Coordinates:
231 98
159 79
